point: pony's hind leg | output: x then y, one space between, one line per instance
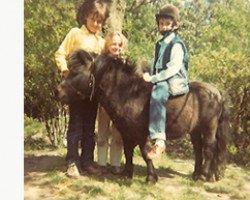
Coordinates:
220 157
209 147
197 145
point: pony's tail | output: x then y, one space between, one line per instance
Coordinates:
221 153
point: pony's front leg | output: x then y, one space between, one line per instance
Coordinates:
151 175
128 151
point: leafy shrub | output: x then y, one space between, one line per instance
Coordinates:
46 24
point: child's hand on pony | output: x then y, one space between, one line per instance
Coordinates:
146 76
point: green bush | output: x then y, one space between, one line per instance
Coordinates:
46 24
34 134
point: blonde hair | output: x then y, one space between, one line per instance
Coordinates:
108 41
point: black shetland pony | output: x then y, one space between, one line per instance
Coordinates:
123 93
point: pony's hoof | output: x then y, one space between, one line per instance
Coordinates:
199 177
202 177
219 175
211 179
196 177
152 179
126 174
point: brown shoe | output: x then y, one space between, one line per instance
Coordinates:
72 171
155 151
92 170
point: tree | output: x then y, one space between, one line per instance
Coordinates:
115 21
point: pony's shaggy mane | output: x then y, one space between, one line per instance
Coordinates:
109 63
79 60
128 76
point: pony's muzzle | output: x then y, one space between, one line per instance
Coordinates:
61 95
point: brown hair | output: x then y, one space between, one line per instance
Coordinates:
99 8
109 37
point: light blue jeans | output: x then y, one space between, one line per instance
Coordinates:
157 116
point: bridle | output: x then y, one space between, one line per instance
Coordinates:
92 86
79 93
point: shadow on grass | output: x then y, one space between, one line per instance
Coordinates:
50 163
161 171
44 163
140 171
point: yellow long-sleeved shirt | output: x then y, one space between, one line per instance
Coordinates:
78 38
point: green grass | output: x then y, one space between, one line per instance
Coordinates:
174 183
56 178
45 178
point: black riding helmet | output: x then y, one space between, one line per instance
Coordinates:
168 10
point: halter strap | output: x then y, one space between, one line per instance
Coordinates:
92 86
75 90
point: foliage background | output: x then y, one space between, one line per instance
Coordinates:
216 33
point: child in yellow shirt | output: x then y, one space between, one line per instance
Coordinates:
82 113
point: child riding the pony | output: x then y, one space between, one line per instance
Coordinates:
115 46
168 73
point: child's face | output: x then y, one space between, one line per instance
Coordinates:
166 25
115 46
94 23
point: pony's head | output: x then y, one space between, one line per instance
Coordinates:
78 82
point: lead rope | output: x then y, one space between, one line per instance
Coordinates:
92 85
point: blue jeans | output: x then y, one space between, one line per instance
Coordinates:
82 116
157 116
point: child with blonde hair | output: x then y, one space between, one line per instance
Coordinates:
108 135
116 44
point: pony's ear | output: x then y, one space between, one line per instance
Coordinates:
84 56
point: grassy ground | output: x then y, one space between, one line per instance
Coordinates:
44 178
